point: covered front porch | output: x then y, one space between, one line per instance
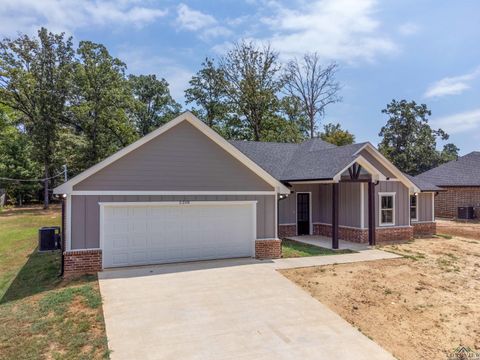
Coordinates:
329 213
326 242
356 208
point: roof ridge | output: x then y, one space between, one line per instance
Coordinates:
264 142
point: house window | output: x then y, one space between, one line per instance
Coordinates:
387 208
413 207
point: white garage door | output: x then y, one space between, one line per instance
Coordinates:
155 233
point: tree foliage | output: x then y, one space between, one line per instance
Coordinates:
16 161
153 105
334 134
252 85
35 80
75 105
100 102
208 91
314 85
409 142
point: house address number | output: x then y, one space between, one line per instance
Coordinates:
184 202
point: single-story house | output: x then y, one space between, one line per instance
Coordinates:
460 180
184 193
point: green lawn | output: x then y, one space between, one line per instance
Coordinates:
41 315
292 249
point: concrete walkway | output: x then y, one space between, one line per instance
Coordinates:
326 242
227 309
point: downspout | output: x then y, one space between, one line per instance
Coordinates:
62 234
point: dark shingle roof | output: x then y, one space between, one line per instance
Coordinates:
462 172
272 157
422 184
311 160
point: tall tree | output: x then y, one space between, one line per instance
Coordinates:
35 78
449 153
314 85
100 103
16 160
153 105
208 91
408 141
252 84
334 134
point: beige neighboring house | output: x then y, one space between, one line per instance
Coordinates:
184 193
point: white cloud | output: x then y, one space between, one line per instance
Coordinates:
336 29
141 61
214 32
460 122
205 25
193 20
452 85
67 15
408 29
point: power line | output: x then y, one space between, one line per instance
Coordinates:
33 180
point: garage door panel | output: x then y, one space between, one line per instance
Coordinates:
160 233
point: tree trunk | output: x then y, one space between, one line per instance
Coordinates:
45 195
256 132
312 127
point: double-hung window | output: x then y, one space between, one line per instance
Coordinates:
413 207
387 208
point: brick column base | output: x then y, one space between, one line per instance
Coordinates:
344 233
268 249
424 229
80 262
393 234
286 231
382 234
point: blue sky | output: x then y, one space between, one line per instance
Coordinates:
426 50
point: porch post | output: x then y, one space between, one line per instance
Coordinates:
371 213
335 216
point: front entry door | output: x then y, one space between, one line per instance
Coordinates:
303 213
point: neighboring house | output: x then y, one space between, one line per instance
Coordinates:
184 193
461 181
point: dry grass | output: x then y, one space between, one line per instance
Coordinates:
419 307
469 229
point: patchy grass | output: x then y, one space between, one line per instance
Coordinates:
421 306
292 249
41 315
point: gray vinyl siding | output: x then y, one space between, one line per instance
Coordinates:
86 213
424 207
402 202
181 159
372 160
349 204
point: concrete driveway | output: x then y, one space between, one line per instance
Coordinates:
226 309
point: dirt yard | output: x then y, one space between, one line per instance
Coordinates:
422 306
469 229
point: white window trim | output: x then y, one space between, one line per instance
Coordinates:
410 207
433 207
380 195
362 205
310 227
